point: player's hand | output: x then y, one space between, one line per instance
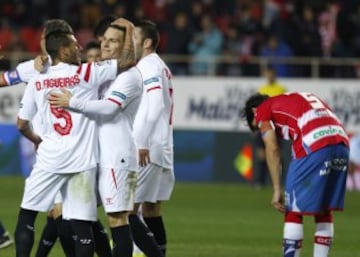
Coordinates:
40 61
60 100
122 22
278 201
144 157
37 143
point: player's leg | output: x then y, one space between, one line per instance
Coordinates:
39 194
48 236
143 236
324 233
102 244
5 239
117 191
79 206
152 210
121 234
293 235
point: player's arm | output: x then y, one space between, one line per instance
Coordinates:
66 100
25 115
272 153
153 90
127 58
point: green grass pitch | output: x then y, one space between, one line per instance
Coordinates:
214 220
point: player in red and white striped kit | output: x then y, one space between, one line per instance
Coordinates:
315 183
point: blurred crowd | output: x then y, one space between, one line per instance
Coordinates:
208 29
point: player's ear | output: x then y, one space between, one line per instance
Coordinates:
147 43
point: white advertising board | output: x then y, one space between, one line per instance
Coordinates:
215 103
205 103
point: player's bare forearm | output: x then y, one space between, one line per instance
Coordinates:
272 153
27 131
3 82
127 58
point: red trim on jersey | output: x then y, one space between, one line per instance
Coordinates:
114 101
292 217
87 72
114 177
78 71
153 88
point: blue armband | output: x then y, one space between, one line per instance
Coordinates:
13 77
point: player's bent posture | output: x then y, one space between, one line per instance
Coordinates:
67 150
153 133
315 183
118 162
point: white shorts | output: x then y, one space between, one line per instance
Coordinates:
77 191
155 183
117 189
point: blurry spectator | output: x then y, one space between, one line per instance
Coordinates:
179 35
232 47
273 49
307 41
92 51
205 46
197 11
5 33
327 28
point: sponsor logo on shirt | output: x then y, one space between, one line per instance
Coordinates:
118 94
328 132
151 80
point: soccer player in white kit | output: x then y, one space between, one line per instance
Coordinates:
55 225
153 132
118 162
67 156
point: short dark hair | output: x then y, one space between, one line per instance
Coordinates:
103 24
149 31
54 41
92 45
252 102
57 25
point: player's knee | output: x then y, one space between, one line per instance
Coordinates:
151 209
117 219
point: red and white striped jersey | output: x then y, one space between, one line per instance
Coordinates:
69 138
304 119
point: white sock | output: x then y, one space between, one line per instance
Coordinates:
293 236
323 238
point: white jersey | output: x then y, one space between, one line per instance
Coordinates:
355 150
153 128
117 146
69 140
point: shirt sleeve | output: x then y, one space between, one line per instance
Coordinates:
100 107
153 92
123 89
28 107
22 73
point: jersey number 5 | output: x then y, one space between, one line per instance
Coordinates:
62 114
313 100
